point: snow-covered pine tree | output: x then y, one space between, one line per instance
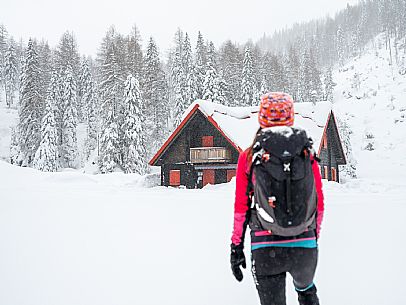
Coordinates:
70 119
133 133
3 49
231 68
67 55
293 72
109 156
45 64
248 88
178 80
110 76
341 46
90 108
84 84
350 169
135 57
46 156
214 86
31 107
189 71
110 93
316 87
10 74
200 64
14 146
155 96
55 92
329 85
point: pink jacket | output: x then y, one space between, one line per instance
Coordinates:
241 199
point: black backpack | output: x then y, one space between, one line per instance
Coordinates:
285 197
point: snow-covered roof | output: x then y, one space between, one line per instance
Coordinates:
240 124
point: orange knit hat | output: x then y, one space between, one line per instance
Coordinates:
276 109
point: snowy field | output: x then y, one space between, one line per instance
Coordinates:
69 238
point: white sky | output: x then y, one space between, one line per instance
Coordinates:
218 20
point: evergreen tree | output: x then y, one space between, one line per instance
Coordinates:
190 93
69 137
46 157
293 72
55 93
231 70
200 64
134 146
90 108
248 88
329 85
155 96
10 75
350 169
315 84
214 86
15 147
31 107
340 47
67 55
45 65
3 49
178 80
109 156
135 57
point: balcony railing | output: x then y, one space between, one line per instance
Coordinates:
209 154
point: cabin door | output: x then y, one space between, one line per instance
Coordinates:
208 176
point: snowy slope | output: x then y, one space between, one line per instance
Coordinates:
375 108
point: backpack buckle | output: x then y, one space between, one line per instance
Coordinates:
286 167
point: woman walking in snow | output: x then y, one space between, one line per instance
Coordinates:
279 195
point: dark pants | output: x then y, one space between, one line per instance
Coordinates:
269 267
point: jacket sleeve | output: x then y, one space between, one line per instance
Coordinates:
320 196
241 210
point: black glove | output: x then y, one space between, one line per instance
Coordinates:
237 259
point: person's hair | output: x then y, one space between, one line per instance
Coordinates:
249 155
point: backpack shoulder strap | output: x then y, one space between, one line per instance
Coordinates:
257 152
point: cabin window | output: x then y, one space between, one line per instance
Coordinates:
333 174
230 174
207 141
174 177
325 174
208 176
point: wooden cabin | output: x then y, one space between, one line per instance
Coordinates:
204 148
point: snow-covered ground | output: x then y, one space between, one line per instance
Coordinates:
73 238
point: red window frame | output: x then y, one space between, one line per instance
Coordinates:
207 141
